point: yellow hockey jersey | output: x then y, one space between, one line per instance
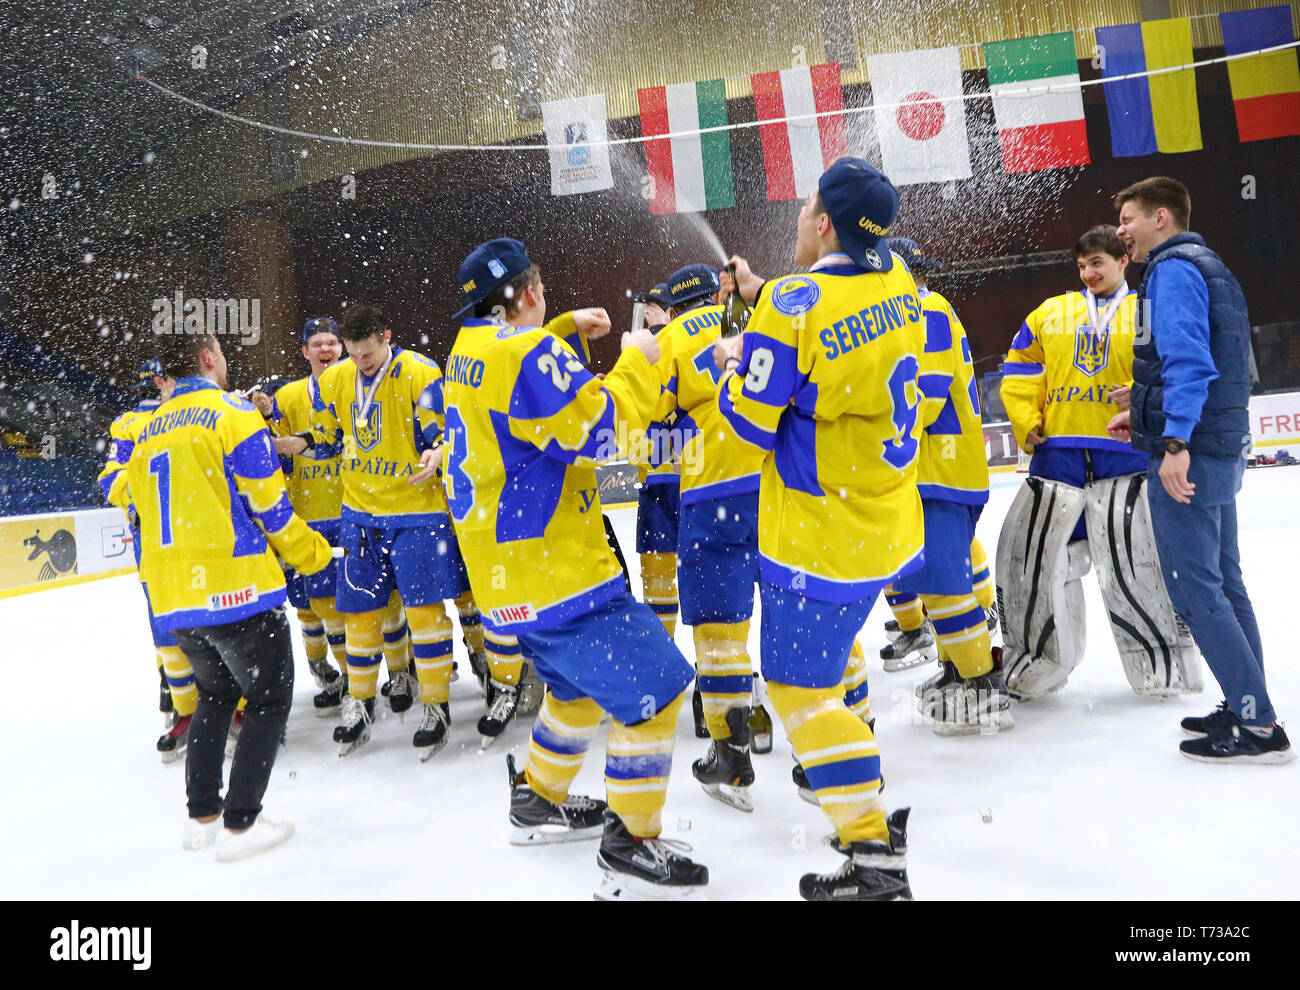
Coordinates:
211 495
951 463
380 454
828 387
714 464
122 435
315 489
526 425
1060 372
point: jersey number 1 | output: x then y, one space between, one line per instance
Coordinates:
160 465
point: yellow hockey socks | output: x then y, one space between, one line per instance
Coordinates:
180 679
431 632
335 628
659 584
505 662
856 696
365 652
726 675
961 628
906 608
638 759
558 745
981 576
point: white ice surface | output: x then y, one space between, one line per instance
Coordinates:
1087 797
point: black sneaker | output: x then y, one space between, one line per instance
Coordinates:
1202 725
1230 741
537 821
875 871
644 869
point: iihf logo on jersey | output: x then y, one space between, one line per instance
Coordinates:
369 430
1091 353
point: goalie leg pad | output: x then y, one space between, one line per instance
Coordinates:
1040 598
1155 647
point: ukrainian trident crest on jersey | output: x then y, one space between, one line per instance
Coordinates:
369 429
1091 350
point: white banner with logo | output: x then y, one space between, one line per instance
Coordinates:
582 164
1275 420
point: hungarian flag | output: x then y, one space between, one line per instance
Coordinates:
1265 88
1155 113
920 116
1042 130
797 152
692 173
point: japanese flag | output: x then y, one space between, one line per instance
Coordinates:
920 116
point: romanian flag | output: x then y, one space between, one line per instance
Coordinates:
1157 113
797 152
1043 130
689 173
1265 88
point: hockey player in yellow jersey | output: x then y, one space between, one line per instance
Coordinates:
378 406
177 693
824 381
214 515
526 424
1069 365
718 535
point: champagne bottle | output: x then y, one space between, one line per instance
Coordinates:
735 314
760 722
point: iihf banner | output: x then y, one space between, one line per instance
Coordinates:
582 164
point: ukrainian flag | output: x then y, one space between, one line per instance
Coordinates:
1158 112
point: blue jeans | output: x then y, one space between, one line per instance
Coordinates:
1197 544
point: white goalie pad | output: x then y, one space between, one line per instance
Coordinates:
1155 647
1040 597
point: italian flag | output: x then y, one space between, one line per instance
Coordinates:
797 152
1043 130
691 173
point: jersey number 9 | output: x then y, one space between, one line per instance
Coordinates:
900 450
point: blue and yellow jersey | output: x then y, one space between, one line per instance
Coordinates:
526 425
1060 372
315 489
380 454
122 434
212 504
951 463
828 387
714 465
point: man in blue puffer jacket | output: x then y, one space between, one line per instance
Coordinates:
1191 386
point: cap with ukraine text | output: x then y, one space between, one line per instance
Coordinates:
319 324
862 204
911 252
659 295
692 282
144 375
488 267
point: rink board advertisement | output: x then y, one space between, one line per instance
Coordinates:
48 551
1275 419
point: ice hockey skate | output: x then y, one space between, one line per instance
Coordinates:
322 672
330 700
897 823
263 835
538 822
401 691
354 730
171 744
165 700
726 772
954 705
874 870
502 706
431 736
645 869
910 649
532 690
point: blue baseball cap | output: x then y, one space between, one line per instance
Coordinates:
911 253
319 324
145 374
692 282
659 295
488 267
862 204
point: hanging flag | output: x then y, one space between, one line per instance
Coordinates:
1265 88
797 152
1043 130
582 165
688 174
1155 113
922 126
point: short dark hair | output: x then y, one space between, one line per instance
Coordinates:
179 352
1158 191
508 297
1101 238
362 320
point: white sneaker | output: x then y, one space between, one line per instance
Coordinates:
200 835
265 834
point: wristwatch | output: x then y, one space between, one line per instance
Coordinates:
1175 446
